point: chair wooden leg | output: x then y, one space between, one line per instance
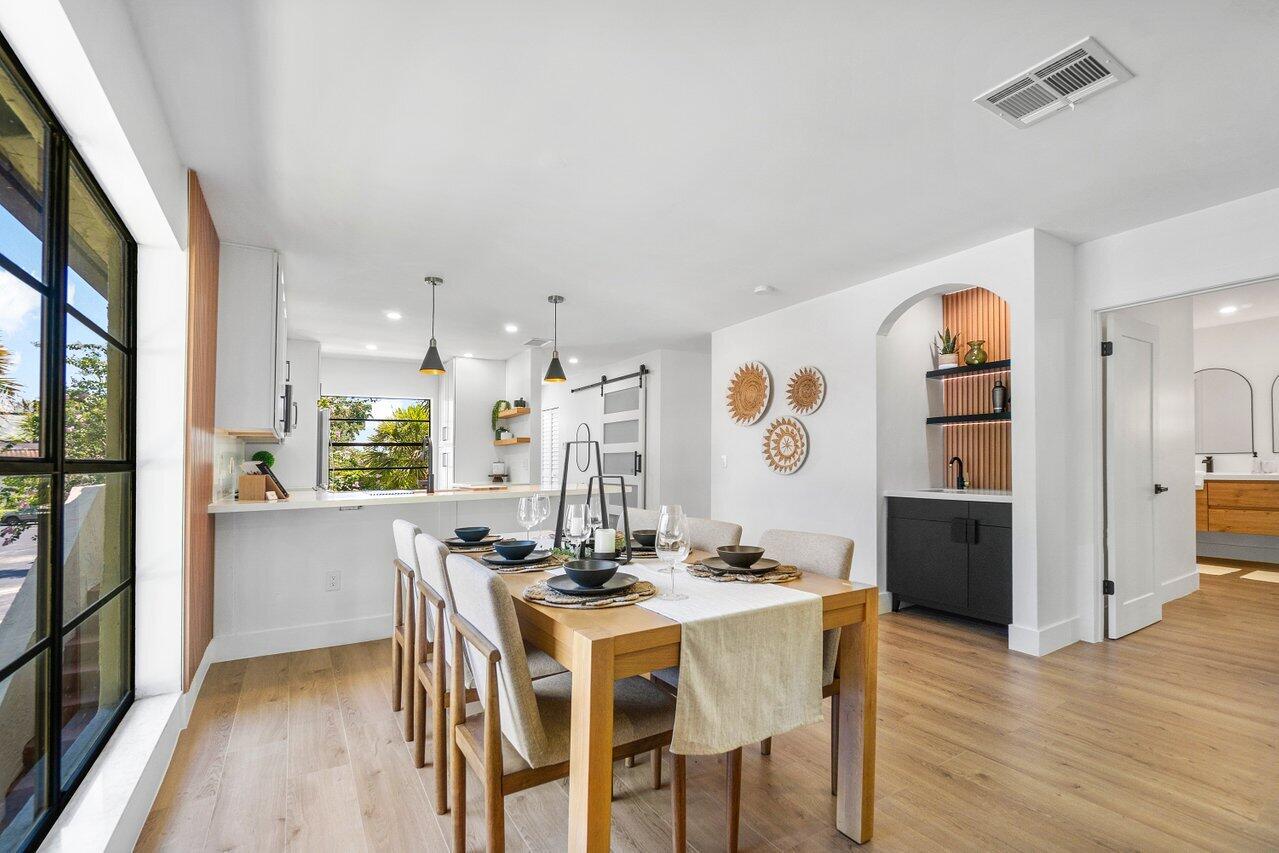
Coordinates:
766 746
458 764
657 769
733 795
419 723
494 808
834 744
397 674
679 804
439 728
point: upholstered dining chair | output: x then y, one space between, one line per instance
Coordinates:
433 650
704 534
521 739
403 622
826 555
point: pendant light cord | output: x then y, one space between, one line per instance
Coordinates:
432 311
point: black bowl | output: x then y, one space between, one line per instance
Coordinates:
647 538
590 573
740 556
515 549
471 534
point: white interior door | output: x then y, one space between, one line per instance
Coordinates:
623 420
1130 476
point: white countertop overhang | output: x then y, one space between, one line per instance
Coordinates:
981 495
310 499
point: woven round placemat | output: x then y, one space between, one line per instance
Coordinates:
781 574
550 562
469 551
540 593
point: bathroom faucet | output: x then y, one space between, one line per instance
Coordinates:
960 482
1207 463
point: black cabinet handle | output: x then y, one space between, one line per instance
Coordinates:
1160 488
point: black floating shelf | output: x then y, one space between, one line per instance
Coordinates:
972 419
968 370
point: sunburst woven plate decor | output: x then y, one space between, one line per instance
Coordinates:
785 445
749 393
806 390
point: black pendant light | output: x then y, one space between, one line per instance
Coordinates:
431 365
555 370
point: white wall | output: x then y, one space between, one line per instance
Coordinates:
1227 244
1174 513
909 452
478 383
351 376
1251 349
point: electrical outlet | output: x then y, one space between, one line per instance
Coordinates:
332 581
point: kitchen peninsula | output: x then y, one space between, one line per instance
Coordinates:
315 570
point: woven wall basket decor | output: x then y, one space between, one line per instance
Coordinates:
806 390
749 393
785 445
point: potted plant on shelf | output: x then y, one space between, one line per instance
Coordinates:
947 355
498 407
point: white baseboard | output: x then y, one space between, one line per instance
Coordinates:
1043 641
1178 587
299 638
197 681
885 601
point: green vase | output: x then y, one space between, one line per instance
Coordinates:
976 353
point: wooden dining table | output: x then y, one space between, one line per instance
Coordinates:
600 646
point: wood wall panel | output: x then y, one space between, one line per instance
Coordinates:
202 355
986 448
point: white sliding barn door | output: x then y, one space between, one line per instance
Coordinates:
623 420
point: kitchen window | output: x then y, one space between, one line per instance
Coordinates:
378 443
67 401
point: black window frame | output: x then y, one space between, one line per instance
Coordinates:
60 158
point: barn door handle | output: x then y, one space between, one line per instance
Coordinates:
1160 488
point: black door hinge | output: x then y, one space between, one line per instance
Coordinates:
1107 587
1107 348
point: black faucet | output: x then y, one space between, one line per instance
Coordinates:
1207 464
960 482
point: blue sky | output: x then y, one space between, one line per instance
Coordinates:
20 304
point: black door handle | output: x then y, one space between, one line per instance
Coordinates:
1160 489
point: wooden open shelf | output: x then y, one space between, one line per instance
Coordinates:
513 413
507 442
972 419
1000 366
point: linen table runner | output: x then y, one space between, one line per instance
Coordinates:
750 660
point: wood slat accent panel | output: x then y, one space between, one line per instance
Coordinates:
986 448
202 357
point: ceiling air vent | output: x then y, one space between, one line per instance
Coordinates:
1078 72
536 342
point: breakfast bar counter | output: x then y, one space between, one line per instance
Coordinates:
322 499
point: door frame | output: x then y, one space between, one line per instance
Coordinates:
1095 599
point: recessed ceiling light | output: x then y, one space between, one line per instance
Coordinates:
394 315
468 355
1227 309
370 346
511 327
572 359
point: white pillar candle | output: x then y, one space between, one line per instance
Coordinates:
605 540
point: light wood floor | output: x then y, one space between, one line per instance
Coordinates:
1167 739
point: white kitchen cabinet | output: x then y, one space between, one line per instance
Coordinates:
252 336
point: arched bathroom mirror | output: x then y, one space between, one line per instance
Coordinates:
1274 415
1223 412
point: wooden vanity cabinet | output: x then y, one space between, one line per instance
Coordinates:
1240 506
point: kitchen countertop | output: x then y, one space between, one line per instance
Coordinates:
983 495
310 499
1200 477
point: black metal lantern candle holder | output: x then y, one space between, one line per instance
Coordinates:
590 489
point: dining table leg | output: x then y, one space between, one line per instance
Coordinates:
858 650
590 775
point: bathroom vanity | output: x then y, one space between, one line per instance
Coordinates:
952 550
1237 516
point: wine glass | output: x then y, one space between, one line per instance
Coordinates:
541 509
672 547
577 525
526 514
671 524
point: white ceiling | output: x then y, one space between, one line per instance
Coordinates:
1258 301
655 161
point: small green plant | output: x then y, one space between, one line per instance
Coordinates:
498 407
264 456
949 342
